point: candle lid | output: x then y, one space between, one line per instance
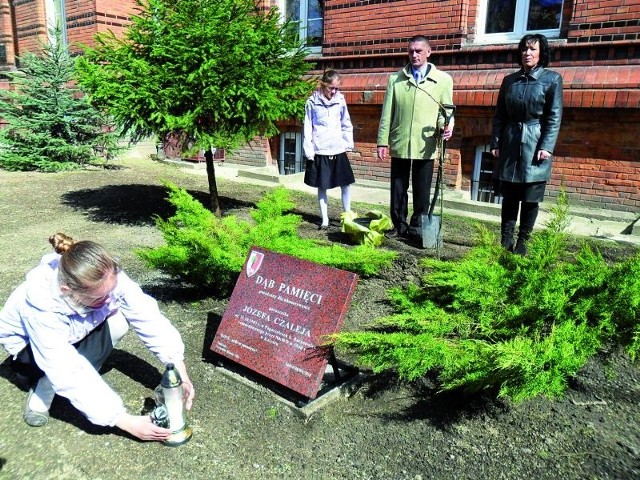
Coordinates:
170 377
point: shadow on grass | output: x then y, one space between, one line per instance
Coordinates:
134 204
213 323
426 402
174 290
137 369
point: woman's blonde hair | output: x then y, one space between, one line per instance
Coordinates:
84 264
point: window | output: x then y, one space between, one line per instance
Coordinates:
57 18
509 20
308 15
482 182
291 158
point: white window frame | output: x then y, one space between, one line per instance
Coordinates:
304 21
56 14
519 26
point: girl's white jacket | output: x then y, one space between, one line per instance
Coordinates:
37 313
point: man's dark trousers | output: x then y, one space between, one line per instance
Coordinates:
421 172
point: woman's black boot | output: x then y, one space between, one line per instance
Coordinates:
523 238
528 216
506 232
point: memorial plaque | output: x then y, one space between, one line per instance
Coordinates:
279 311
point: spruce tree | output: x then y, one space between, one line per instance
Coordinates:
51 126
217 73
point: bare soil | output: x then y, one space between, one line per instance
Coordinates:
385 429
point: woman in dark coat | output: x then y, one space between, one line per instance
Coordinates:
525 130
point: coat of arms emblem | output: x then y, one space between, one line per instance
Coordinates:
254 263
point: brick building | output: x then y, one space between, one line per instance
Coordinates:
25 24
595 43
596 48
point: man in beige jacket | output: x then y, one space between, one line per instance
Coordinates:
410 124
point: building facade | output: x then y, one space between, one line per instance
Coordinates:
595 44
25 24
596 48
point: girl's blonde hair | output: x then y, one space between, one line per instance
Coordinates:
84 264
328 77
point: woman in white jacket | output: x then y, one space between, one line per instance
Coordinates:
62 323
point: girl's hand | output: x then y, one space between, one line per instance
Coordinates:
188 391
141 426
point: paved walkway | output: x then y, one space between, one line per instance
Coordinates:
590 222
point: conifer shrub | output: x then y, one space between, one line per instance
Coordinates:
209 251
51 125
516 326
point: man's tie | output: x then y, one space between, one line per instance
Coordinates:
417 75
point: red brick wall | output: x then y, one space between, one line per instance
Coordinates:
23 23
364 160
85 19
374 28
598 158
114 14
31 24
605 10
6 33
598 182
81 23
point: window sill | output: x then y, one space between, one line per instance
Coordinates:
485 44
